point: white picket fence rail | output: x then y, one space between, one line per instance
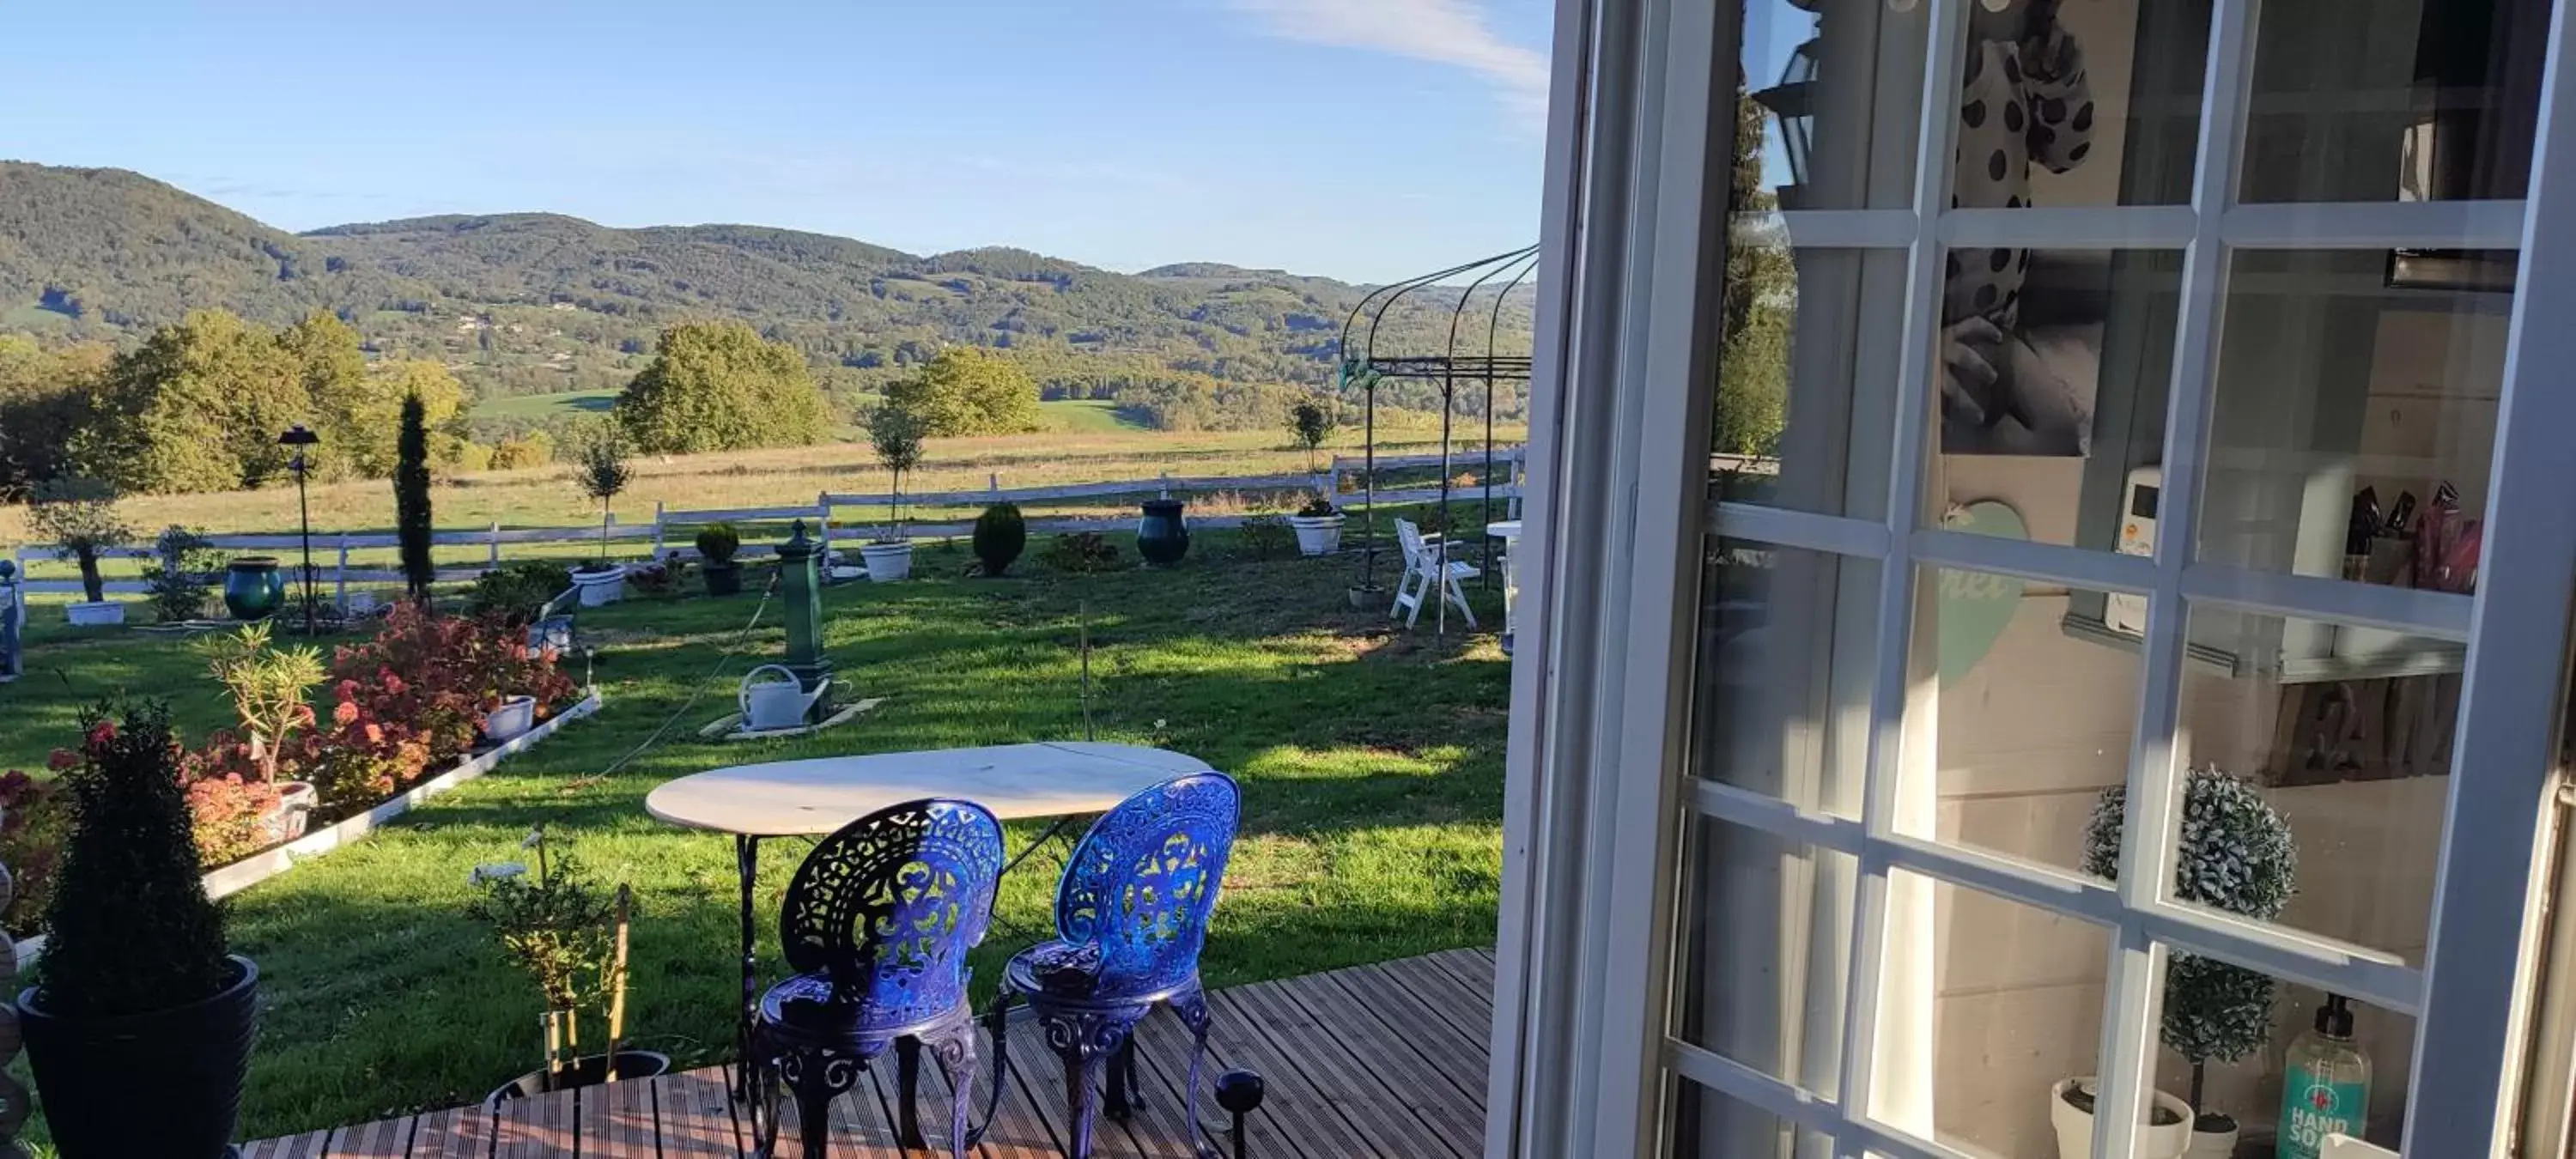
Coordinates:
672 529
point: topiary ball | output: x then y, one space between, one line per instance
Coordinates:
1000 536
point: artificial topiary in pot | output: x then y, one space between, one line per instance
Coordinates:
139 1027
2237 856
1000 536
717 543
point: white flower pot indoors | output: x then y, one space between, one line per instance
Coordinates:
2162 1140
600 587
103 614
887 562
1318 534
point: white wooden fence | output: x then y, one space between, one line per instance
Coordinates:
672 530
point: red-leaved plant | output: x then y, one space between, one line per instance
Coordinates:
415 698
34 818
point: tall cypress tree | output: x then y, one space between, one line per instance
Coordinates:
411 497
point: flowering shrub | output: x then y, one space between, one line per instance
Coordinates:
35 816
415 697
233 817
231 802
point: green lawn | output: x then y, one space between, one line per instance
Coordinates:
1371 762
546 406
1087 414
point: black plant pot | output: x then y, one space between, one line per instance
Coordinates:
589 1071
1162 536
723 579
165 1083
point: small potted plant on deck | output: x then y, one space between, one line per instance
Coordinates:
2237 856
80 516
570 937
1319 527
895 433
602 473
717 544
139 1027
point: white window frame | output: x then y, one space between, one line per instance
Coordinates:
1597 788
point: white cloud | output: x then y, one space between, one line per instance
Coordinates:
1450 32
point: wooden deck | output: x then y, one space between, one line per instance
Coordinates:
1378 1060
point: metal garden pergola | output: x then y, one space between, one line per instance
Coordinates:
1362 366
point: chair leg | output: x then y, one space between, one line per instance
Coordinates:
907 1061
1192 1006
1123 1098
956 1049
1082 1106
816 1077
1459 594
1086 1040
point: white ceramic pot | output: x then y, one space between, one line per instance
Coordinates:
2075 1127
887 562
1318 534
2212 1144
511 720
103 614
600 587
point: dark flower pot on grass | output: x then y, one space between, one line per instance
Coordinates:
1162 536
717 544
139 1033
253 589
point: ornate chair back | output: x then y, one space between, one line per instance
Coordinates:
889 906
1144 880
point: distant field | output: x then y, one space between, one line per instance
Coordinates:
546 406
1087 414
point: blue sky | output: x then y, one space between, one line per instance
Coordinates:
1364 139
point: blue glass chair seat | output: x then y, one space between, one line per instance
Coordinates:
877 925
1131 916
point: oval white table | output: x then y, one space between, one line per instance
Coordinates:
815 797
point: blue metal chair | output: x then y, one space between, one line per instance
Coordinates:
1131 913
877 926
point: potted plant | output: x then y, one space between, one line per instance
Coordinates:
139 1027
79 515
603 474
570 937
182 567
717 543
895 433
1319 527
1000 535
1309 423
2237 856
268 685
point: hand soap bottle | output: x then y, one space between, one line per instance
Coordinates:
2325 1084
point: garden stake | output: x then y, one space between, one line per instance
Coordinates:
1083 618
617 981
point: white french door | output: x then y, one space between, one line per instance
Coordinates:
1927 490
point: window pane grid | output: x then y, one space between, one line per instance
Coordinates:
2148 924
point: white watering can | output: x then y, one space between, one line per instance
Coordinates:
780 703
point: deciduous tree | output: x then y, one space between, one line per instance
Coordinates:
967 390
718 386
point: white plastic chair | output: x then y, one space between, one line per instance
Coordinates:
1427 565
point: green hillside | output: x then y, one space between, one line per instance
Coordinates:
541 304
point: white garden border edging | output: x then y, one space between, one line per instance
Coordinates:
259 867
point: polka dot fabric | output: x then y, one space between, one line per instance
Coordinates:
2010 118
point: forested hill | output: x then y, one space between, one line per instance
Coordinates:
538 303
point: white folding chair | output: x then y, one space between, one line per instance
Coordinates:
1427 567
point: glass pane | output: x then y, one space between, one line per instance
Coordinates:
2032 723
2313 802
2393 100
1806 376
1766 927
1985 1006
1707 1125
2093 103
1787 646
2256 1058
2354 421
1827 119
2047 360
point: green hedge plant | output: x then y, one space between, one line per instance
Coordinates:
1000 536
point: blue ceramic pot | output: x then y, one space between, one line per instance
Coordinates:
253 587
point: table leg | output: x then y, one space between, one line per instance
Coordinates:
746 856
